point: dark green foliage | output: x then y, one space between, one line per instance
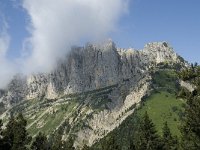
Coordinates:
85 147
190 73
8 133
58 144
169 142
2 140
165 80
2 108
69 144
147 138
15 136
40 142
21 137
110 144
54 142
191 124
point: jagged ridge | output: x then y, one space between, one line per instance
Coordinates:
89 68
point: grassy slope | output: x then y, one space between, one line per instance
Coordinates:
52 121
161 107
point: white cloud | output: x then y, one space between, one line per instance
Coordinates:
4 37
7 69
56 25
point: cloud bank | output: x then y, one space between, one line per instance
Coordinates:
7 69
56 25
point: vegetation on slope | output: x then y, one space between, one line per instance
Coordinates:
163 107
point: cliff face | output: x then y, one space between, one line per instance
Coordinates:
89 68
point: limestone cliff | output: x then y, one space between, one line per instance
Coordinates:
91 67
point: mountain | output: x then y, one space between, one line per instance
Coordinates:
91 92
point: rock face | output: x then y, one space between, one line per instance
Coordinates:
159 52
187 85
88 68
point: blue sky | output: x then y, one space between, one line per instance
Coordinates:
16 19
175 21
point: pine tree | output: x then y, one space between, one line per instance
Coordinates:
169 142
21 137
8 133
15 134
2 139
147 138
69 144
40 142
191 125
85 147
109 143
58 144
1 125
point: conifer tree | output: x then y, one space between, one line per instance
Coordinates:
191 125
15 135
110 143
8 133
40 142
21 137
2 140
57 142
69 145
85 147
147 138
169 142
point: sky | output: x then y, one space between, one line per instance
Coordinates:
174 21
34 34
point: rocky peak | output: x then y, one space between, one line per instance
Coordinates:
92 67
160 52
102 46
